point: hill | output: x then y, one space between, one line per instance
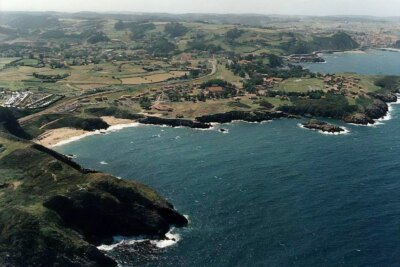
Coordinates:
53 212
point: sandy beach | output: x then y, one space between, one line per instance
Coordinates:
53 137
57 136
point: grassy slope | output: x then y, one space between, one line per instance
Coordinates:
31 177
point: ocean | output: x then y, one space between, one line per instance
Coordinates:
269 194
371 62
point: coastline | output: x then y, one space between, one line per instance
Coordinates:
62 136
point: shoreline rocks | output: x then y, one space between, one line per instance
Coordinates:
377 110
387 98
255 116
175 122
358 118
53 212
322 126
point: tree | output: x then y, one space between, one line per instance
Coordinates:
145 103
120 25
162 47
233 34
265 104
98 37
201 97
139 30
275 61
175 29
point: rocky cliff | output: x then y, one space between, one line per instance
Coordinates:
54 212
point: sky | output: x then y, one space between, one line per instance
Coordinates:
284 7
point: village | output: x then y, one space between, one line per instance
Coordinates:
27 99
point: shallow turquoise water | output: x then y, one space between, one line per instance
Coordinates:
374 62
264 194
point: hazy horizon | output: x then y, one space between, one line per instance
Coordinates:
267 7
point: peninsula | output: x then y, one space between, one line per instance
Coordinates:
54 212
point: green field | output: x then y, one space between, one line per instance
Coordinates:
301 85
6 60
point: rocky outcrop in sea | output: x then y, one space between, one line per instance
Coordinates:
322 126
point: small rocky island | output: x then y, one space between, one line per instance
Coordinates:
314 124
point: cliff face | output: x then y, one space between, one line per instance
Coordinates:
256 116
9 123
54 213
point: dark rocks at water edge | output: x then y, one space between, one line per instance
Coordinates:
55 213
378 109
359 118
248 116
387 98
322 126
175 122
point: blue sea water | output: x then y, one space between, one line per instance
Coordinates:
372 62
269 194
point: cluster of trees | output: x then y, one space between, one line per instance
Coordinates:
229 90
216 82
138 29
53 34
145 103
120 25
112 111
50 77
250 84
338 41
162 47
390 83
265 104
334 106
174 96
202 45
175 29
257 65
98 37
233 34
254 71
87 124
257 68
275 61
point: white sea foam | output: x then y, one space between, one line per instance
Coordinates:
242 121
119 127
345 132
73 139
103 163
387 117
171 239
114 128
187 217
223 131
